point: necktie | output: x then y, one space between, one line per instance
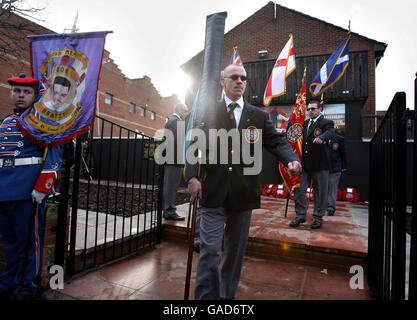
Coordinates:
232 119
310 125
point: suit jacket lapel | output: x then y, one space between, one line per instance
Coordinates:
245 117
315 124
222 115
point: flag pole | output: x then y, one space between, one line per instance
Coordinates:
188 220
286 206
191 242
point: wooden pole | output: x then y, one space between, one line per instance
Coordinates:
191 243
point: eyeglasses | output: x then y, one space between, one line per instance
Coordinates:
310 109
235 77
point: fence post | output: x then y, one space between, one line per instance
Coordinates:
161 172
412 284
74 207
399 217
61 231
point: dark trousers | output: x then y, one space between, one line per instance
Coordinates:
172 181
212 283
14 226
320 185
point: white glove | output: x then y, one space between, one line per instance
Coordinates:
38 196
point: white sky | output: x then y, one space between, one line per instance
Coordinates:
154 38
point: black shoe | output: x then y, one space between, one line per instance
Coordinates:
330 213
316 225
296 222
175 217
197 247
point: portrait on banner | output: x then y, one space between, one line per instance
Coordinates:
68 69
63 73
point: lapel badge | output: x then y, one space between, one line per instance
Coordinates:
317 132
251 134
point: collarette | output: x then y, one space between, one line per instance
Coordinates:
228 101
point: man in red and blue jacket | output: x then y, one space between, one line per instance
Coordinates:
25 179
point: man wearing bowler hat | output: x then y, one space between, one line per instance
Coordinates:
26 180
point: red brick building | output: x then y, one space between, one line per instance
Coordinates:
267 31
131 103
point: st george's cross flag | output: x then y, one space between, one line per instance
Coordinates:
283 67
235 59
68 69
332 70
295 137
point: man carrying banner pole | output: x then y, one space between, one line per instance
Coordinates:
203 114
315 160
295 138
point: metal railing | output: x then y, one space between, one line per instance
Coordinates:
110 198
392 229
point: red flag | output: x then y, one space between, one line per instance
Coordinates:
295 137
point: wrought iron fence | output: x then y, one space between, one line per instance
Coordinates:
109 196
393 196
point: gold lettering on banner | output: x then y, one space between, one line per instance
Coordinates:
42 126
51 114
66 52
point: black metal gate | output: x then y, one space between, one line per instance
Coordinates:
393 204
109 195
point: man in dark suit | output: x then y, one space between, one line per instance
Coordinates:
316 165
227 194
173 170
338 164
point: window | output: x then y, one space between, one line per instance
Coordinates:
153 115
142 112
132 107
108 99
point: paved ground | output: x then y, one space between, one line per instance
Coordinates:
159 273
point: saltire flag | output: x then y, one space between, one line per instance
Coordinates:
295 137
188 132
235 59
332 70
68 68
283 67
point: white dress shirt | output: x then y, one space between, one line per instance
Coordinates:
238 110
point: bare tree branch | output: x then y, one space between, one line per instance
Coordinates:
15 26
